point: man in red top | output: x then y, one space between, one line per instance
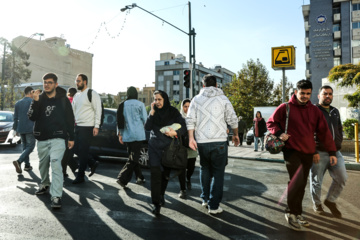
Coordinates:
305 119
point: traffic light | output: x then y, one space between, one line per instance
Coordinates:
187 78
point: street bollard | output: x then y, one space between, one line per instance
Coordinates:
357 142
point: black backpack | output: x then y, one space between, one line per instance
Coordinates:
89 94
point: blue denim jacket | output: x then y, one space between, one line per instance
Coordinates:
22 123
135 117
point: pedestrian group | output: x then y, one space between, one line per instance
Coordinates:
65 123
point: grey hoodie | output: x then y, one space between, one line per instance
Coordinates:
209 114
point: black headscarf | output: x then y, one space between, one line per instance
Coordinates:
131 94
165 114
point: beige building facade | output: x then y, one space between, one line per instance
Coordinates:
55 55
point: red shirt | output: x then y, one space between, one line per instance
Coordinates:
304 121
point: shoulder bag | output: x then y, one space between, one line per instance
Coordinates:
175 155
273 144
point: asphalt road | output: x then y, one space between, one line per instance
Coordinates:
253 204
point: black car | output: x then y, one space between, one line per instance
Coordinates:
6 126
106 143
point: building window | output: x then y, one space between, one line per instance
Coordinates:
176 72
336 27
168 73
336 10
167 63
355 25
337 61
176 82
176 92
356 7
336 45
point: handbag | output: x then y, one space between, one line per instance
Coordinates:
273 144
175 155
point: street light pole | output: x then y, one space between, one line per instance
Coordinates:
191 35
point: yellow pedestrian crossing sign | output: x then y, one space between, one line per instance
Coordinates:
283 57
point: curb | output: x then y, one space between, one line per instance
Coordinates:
349 166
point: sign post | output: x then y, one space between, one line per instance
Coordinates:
283 58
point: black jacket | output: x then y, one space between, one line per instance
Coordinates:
53 117
335 126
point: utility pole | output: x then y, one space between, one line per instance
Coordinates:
191 35
2 78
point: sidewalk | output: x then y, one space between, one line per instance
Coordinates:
247 152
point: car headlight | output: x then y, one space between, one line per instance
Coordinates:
6 129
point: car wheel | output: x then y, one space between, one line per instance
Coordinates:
144 156
248 143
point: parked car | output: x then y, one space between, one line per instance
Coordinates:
106 143
6 131
250 136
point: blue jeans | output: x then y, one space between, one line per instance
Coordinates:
28 144
50 153
337 173
213 159
256 143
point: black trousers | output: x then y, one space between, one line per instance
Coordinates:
241 137
132 164
298 166
83 136
187 173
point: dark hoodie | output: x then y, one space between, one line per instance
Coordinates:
304 121
53 117
334 122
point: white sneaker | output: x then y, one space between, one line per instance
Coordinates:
204 204
216 211
293 221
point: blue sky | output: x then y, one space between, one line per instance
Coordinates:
229 33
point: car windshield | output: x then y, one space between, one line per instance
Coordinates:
6 117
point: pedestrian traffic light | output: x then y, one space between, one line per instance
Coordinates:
187 78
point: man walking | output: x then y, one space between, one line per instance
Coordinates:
338 171
54 122
24 126
131 117
210 112
87 118
241 129
304 120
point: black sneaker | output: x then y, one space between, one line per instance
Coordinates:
182 194
56 202
93 168
140 180
28 168
78 180
332 206
318 209
301 220
121 184
17 166
42 190
156 210
292 221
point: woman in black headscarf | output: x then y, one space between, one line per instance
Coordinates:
161 114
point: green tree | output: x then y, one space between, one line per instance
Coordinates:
176 105
277 93
251 87
347 75
16 70
110 102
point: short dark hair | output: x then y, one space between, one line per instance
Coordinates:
209 80
50 76
186 101
325 87
304 84
27 90
83 77
72 91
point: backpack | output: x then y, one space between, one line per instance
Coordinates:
89 94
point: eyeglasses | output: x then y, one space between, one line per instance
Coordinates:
77 81
49 83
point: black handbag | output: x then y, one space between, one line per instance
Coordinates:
175 155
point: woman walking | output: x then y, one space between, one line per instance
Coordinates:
259 130
161 114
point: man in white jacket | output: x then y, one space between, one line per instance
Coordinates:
209 114
87 117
